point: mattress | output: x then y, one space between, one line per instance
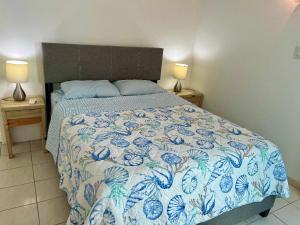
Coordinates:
157 159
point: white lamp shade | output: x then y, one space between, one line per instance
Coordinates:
16 71
180 71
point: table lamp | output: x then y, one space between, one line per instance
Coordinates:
17 72
180 72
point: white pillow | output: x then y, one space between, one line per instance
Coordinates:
88 89
137 87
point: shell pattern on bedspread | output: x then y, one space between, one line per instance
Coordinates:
169 165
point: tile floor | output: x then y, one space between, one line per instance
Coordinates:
29 193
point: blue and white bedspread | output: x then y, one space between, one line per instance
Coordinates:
163 165
65 108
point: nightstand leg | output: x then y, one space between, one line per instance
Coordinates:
43 131
8 141
43 138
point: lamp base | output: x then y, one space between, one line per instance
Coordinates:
177 87
19 94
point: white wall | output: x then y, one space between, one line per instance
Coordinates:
170 24
243 63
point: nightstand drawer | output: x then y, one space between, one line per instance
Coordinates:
190 95
19 114
193 99
23 121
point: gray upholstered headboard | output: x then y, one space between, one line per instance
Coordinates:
63 62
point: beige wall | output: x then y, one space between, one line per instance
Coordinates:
244 64
170 24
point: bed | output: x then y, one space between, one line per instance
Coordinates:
151 159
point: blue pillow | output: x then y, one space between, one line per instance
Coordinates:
138 87
88 89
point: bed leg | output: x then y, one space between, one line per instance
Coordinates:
265 213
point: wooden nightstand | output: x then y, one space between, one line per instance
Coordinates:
190 95
22 113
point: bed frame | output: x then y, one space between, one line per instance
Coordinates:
63 62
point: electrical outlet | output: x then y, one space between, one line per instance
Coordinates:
297 53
